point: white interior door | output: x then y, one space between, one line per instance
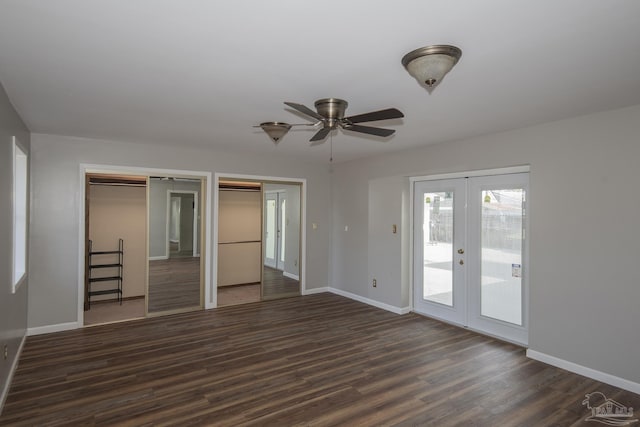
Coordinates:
470 256
439 239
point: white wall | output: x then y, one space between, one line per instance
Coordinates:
584 243
56 194
13 307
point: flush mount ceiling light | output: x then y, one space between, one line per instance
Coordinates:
430 64
275 130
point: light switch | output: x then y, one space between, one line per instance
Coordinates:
314 226
346 228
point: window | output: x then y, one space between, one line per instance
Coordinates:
19 214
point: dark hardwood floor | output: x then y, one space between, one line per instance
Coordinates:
276 285
313 360
174 284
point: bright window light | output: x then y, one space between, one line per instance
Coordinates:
19 214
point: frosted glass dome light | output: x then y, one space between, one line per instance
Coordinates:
430 64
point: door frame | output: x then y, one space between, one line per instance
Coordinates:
303 225
196 209
465 174
87 168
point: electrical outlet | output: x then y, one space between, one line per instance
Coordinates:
375 283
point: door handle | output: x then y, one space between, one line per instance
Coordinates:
461 262
460 251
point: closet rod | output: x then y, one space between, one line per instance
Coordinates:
240 189
116 184
242 241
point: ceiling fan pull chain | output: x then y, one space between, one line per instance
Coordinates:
331 147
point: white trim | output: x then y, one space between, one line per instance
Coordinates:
584 371
315 291
85 168
39 330
374 303
158 258
471 174
14 365
213 301
290 275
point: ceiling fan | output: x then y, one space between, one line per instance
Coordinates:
330 114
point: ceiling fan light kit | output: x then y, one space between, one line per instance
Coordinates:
430 64
275 130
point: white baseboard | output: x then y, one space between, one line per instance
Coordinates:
158 258
39 330
315 291
290 276
584 371
14 365
378 304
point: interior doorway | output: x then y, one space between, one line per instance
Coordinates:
281 236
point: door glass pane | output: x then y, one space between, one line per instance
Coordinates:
271 229
501 254
437 226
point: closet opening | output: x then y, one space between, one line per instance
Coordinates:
259 240
144 234
115 252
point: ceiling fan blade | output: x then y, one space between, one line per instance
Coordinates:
305 110
389 113
321 134
370 130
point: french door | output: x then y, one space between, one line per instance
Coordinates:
470 253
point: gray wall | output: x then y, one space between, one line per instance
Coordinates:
13 307
584 243
55 216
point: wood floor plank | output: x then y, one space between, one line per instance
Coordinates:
318 360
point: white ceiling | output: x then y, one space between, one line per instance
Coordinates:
201 73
